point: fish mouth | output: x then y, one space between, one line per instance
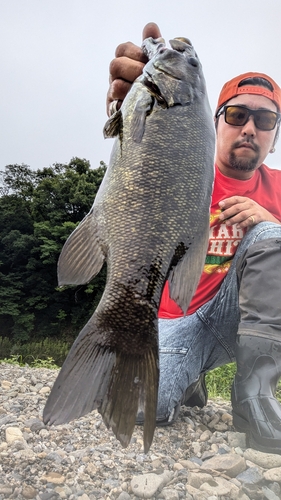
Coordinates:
165 74
154 90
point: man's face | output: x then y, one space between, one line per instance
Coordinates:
241 150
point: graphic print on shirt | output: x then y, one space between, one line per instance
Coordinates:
223 243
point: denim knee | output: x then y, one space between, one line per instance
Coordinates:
261 231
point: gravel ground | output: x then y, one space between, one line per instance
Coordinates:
200 457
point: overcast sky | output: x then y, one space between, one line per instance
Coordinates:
55 55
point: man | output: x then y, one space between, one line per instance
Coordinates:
235 313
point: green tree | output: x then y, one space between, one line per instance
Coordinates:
38 211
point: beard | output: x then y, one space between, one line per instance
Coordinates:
244 164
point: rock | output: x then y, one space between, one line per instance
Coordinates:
220 487
269 494
44 433
207 454
214 421
178 466
6 490
227 418
205 436
230 464
221 427
196 448
236 439
124 496
63 491
189 465
146 486
196 479
53 477
166 476
156 463
265 460
251 476
196 460
273 474
37 426
196 494
7 419
28 491
45 390
6 385
191 460
169 494
13 434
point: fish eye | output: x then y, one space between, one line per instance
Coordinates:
193 61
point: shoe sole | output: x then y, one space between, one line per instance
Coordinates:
242 425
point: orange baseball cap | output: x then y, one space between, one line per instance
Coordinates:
232 89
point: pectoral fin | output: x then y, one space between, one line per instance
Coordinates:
142 108
81 257
184 277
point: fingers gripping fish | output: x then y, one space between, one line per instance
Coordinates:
150 223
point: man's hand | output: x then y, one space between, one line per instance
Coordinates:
244 212
126 67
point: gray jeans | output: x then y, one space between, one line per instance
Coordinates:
195 344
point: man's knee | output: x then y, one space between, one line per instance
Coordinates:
259 276
263 256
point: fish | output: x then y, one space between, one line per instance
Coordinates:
150 223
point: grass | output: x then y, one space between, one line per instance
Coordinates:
50 353
47 351
219 381
35 363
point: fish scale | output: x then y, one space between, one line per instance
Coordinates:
150 222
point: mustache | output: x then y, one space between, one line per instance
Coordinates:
249 141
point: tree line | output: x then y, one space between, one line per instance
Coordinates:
38 211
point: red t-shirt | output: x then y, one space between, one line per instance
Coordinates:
264 188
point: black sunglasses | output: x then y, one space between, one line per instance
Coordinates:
264 119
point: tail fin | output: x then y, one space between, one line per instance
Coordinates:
94 376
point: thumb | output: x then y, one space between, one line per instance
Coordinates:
151 30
